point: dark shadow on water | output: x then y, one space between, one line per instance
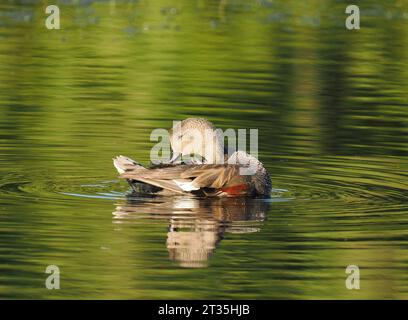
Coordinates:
196 225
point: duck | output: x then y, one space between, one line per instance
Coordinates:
211 172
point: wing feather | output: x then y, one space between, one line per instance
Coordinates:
212 176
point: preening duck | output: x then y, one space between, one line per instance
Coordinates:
215 173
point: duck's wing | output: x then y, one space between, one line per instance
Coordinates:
132 170
164 184
182 178
213 175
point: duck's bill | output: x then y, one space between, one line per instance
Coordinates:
176 157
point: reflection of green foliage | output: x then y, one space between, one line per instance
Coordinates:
292 64
73 98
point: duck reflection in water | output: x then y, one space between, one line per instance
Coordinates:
197 225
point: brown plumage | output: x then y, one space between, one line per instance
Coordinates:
206 179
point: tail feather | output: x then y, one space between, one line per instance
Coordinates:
123 164
132 171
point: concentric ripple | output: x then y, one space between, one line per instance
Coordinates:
356 183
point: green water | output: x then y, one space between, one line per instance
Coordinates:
331 109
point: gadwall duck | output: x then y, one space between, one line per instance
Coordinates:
214 173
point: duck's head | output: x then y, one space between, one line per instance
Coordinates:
194 137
